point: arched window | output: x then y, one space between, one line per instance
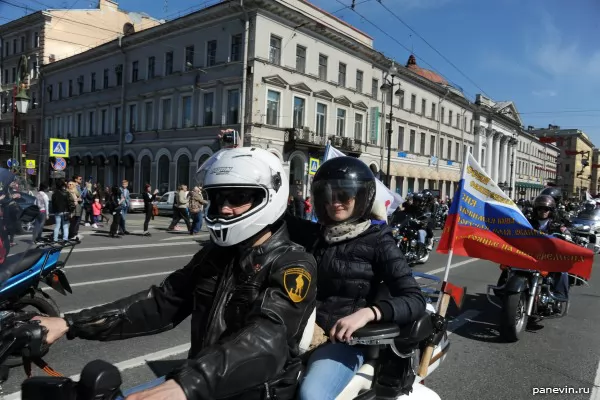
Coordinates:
183 170
163 174
145 168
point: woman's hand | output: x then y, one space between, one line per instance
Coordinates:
345 327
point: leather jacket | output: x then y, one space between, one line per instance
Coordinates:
249 309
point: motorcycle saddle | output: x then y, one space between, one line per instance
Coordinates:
16 264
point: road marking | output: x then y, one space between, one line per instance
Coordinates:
123 278
461 320
128 364
458 264
132 246
596 389
202 235
101 264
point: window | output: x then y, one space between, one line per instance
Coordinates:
413 102
189 58
135 71
117 120
457 152
211 53
91 120
105 78
132 117
422 144
209 100
449 155
359 81
233 106
60 90
321 119
299 105
119 74
450 117
14 46
6 48
69 124
93 83
275 50
167 123
236 48
458 121
79 123
49 93
5 80
432 151
151 67
22 44
148 113
423 106
342 74
465 124
301 59
441 147
70 87
412 140
273 107
168 63
433 116
322 67
103 122
14 75
388 97
358 126
400 138
80 82
186 111
341 122
442 115
375 88
401 98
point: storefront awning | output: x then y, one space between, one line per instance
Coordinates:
529 185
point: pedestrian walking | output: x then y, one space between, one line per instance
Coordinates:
124 205
196 207
148 206
42 201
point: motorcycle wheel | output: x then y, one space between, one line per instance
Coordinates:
501 281
513 317
42 305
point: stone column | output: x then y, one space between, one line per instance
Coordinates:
496 157
505 160
488 151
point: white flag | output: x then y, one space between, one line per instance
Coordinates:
391 200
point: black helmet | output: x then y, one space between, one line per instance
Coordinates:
343 179
427 195
554 192
544 201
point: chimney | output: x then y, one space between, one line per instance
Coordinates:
108 5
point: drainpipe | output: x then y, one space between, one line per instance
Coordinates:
123 111
244 72
42 86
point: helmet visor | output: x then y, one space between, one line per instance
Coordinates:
339 200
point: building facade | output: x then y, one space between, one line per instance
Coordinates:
575 165
288 76
534 165
45 37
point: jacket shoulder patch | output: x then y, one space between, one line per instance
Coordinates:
296 281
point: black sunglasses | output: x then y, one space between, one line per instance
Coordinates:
234 198
544 209
341 195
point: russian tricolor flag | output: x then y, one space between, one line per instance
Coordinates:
484 223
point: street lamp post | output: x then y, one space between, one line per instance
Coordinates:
388 87
512 143
21 102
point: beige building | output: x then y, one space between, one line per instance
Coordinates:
534 165
45 37
575 164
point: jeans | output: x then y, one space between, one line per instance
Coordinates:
123 218
61 219
142 387
561 283
329 370
197 222
422 235
38 225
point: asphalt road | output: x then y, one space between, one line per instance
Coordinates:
562 353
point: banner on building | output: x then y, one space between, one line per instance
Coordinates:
374 125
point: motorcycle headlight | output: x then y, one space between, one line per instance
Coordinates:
586 228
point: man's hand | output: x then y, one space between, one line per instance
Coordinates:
57 327
345 327
170 390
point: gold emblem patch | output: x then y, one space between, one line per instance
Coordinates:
296 282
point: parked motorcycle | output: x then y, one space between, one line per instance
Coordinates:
406 235
526 295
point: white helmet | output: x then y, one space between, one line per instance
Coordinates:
243 168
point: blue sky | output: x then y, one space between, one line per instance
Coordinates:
541 54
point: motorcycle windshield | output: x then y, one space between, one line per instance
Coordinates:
593 215
18 212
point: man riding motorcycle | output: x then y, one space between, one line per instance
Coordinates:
544 220
250 292
560 213
416 209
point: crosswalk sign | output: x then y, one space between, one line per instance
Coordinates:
59 147
313 166
29 164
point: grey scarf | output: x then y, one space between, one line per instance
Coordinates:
339 233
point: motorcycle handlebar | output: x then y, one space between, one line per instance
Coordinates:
21 335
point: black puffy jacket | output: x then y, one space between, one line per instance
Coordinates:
248 310
367 270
